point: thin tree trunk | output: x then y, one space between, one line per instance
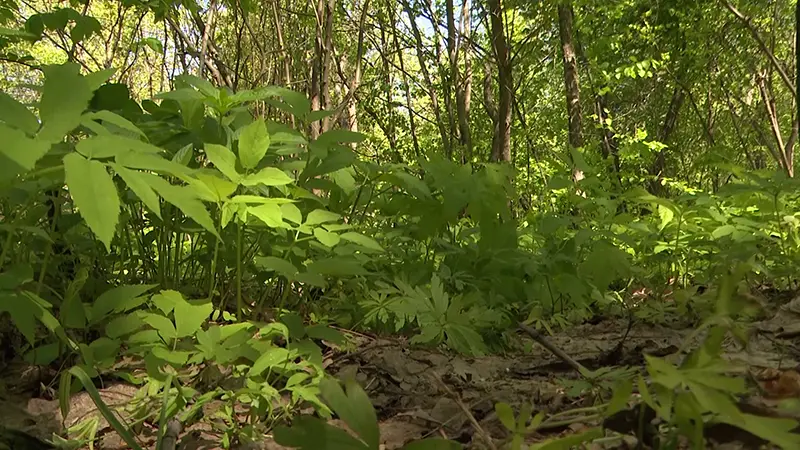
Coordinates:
463 85
501 148
571 83
427 78
409 100
316 67
325 83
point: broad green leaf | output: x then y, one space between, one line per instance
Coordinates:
152 163
190 315
224 160
279 265
270 358
319 216
114 299
124 325
354 408
22 312
175 357
310 433
185 199
268 176
161 324
336 266
139 186
17 115
65 95
19 153
340 136
362 240
108 145
506 416
666 215
97 79
184 155
64 392
116 119
258 199
620 398
213 188
292 213
723 231
166 300
326 238
94 194
253 143
269 213
325 332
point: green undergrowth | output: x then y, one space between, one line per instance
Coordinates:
202 253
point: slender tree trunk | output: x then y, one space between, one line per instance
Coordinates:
287 68
316 67
463 84
327 60
427 78
409 100
571 82
501 147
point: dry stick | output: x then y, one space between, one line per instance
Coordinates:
553 349
485 436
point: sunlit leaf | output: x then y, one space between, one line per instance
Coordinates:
94 194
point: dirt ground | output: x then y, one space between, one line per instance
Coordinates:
426 392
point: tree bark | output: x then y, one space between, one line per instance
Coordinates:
501 146
571 82
463 83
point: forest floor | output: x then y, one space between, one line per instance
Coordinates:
425 392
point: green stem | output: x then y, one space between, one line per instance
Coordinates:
239 302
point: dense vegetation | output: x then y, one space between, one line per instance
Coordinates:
194 192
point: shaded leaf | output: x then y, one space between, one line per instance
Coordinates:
253 143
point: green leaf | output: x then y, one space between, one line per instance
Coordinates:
191 315
114 299
116 119
152 163
87 383
362 240
268 176
619 400
17 115
214 188
253 143
124 325
340 136
22 312
269 213
326 238
336 266
161 324
64 392
185 199
65 95
319 216
354 408
325 332
139 186
19 153
724 230
279 265
94 195
292 213
153 43
506 416
224 160
270 358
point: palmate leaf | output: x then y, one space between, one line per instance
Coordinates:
94 195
